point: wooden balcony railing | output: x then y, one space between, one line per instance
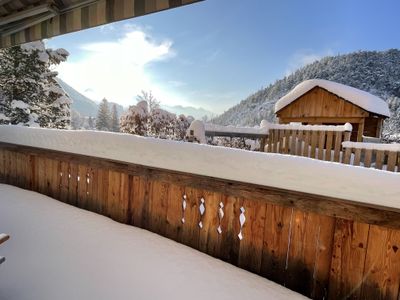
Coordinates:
322 247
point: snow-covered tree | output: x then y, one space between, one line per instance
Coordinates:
29 93
146 118
103 116
135 120
152 102
114 126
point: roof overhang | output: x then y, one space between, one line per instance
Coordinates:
24 21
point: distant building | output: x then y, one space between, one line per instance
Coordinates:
326 102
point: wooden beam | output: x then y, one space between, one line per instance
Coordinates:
327 120
28 23
360 131
79 4
30 12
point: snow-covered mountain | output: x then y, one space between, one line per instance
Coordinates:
371 71
197 113
83 105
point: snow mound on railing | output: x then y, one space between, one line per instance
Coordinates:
266 169
372 146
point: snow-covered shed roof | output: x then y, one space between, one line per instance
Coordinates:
358 97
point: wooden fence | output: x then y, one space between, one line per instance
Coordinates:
322 247
379 156
308 141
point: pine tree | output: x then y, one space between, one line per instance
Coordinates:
91 123
114 119
29 93
103 116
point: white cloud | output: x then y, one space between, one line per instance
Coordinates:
304 57
118 70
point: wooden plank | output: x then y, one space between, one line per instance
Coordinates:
321 144
323 259
368 158
275 141
174 212
302 254
281 145
329 143
382 265
73 184
391 164
314 140
380 156
348 259
347 155
139 201
276 239
294 142
250 251
286 146
306 144
190 228
299 143
337 147
360 131
229 241
64 169
357 157
158 207
209 240
270 140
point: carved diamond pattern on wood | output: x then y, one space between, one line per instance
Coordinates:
242 219
183 208
220 216
202 210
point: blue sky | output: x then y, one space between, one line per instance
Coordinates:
215 53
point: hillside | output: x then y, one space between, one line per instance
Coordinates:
82 104
372 71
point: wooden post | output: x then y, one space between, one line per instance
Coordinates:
262 143
360 130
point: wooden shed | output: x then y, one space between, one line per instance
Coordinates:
323 102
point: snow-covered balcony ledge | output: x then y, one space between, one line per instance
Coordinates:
283 217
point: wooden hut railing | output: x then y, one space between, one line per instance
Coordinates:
322 247
314 141
371 155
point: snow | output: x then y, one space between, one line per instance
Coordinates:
236 129
36 46
267 169
372 146
4 117
141 108
19 104
360 98
199 132
345 127
57 251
